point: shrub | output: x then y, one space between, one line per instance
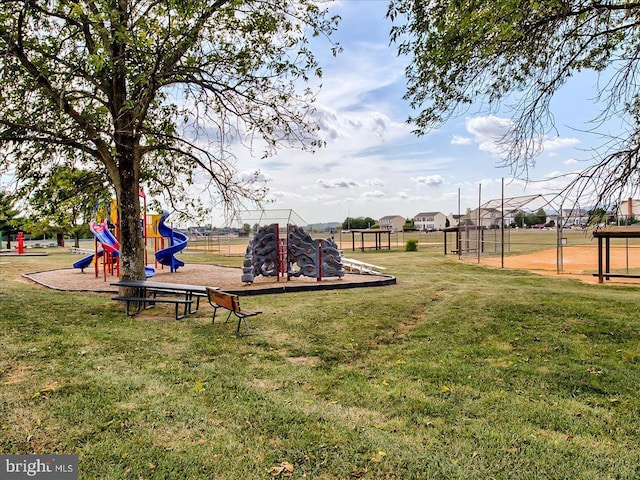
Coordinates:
411 245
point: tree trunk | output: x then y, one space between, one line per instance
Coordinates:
130 230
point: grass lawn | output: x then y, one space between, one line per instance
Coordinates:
456 372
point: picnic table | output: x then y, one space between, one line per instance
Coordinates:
607 233
185 297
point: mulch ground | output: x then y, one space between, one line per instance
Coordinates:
227 278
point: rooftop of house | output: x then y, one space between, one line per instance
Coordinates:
427 214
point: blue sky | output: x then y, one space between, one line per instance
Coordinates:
374 166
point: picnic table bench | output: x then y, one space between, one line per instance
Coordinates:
228 301
185 297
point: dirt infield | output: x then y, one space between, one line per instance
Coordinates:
577 262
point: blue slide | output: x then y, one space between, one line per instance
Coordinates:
84 262
177 242
110 244
106 239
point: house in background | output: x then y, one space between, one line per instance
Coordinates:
394 223
454 219
629 209
574 217
430 221
484 217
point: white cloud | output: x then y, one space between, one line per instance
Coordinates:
429 180
337 183
559 142
488 132
350 130
487 181
570 161
323 198
373 194
459 140
376 182
281 194
351 79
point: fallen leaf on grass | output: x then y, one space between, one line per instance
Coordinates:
379 456
52 387
198 387
275 471
285 469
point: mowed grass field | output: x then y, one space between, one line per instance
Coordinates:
516 241
456 372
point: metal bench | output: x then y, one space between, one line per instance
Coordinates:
162 292
219 299
144 303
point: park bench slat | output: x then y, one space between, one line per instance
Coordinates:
228 301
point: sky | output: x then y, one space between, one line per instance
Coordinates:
373 166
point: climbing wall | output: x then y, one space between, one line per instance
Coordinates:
261 256
331 259
295 255
303 253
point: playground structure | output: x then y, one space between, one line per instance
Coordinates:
293 255
177 242
106 252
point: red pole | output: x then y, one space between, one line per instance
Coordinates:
20 243
96 259
278 249
144 227
319 260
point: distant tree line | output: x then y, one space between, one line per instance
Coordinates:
523 219
351 223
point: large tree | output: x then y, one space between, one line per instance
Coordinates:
155 92
66 199
482 52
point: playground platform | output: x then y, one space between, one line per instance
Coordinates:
227 278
